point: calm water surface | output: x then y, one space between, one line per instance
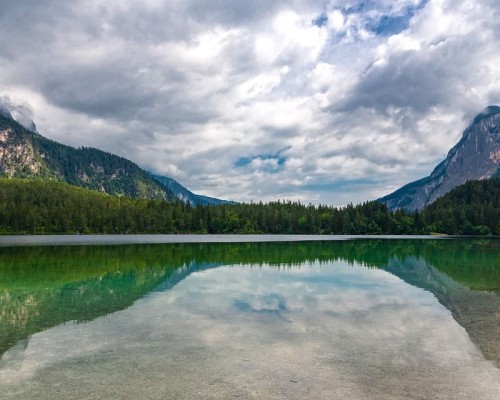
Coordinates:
353 319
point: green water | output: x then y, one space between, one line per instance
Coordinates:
61 307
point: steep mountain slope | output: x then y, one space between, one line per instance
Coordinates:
26 154
186 195
476 156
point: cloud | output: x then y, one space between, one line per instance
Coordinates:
308 323
267 162
190 89
427 68
22 113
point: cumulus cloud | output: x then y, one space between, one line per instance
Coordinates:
363 95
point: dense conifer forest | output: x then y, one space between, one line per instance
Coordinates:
36 206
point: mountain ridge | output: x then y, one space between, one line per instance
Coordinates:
475 157
27 154
186 195
24 153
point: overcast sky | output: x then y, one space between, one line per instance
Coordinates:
322 101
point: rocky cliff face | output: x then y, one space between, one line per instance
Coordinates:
17 156
476 156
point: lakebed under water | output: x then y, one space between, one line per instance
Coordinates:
371 318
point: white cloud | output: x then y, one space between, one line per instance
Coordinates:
377 93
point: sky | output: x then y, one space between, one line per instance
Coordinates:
322 101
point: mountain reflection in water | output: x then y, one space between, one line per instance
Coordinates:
41 287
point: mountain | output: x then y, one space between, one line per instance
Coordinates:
20 117
4 112
475 157
26 154
186 195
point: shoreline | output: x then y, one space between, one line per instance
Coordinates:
121 239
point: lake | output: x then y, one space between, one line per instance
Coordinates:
268 318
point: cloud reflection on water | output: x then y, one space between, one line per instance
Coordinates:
336 329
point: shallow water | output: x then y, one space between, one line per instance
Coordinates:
362 319
30 240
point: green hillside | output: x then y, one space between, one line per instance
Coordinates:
25 154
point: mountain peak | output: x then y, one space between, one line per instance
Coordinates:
486 113
475 157
22 114
30 155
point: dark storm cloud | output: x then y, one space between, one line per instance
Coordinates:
98 93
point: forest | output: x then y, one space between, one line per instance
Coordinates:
44 207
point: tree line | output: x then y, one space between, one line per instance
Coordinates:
36 206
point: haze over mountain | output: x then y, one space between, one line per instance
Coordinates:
186 195
475 157
22 114
26 154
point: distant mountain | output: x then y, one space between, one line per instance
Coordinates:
186 195
26 154
475 157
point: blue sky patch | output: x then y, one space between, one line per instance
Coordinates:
388 25
270 167
391 25
321 20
